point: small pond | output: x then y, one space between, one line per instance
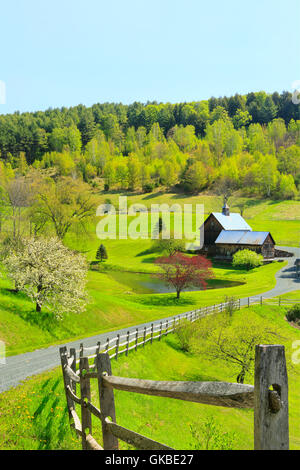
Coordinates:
149 283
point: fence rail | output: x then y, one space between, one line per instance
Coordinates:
270 409
268 397
131 340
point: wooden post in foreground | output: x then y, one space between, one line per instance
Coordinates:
151 333
85 393
107 401
271 419
73 367
67 380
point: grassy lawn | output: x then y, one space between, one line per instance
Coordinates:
261 214
114 305
34 416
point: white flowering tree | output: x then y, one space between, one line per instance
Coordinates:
50 274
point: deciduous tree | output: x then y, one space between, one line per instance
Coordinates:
50 274
181 271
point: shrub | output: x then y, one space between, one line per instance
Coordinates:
211 436
171 245
294 314
231 305
247 259
184 334
148 187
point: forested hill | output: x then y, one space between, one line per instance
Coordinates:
249 142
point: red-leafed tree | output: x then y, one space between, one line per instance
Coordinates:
181 271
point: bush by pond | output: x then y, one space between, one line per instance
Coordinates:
294 314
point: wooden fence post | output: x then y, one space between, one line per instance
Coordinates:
261 300
85 391
73 367
248 302
160 331
127 346
151 333
167 327
107 401
98 347
81 350
117 346
279 301
271 419
67 381
239 304
144 338
107 345
136 338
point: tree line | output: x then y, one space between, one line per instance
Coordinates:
249 143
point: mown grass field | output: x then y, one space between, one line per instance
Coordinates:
261 214
34 415
115 304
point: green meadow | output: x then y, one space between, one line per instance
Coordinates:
114 299
115 304
34 415
261 214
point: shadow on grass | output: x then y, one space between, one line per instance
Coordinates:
45 320
50 429
153 195
173 342
149 260
149 251
164 300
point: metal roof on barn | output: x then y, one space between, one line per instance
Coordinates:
233 221
242 237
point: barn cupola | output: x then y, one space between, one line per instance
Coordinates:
225 210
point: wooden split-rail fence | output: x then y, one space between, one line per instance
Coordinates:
268 396
122 344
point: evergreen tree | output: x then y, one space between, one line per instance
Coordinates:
101 253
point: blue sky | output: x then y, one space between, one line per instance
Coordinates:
66 52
